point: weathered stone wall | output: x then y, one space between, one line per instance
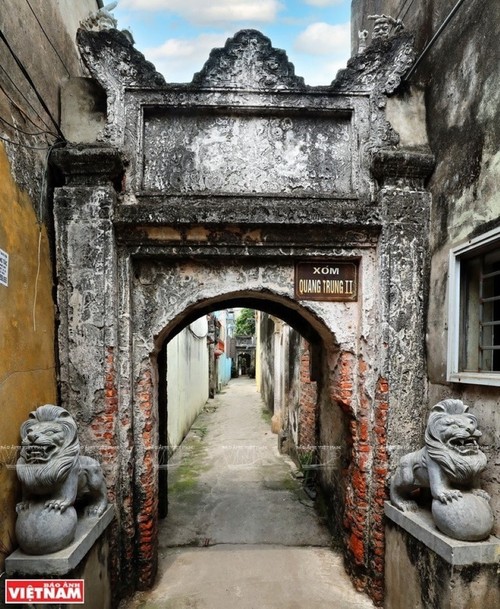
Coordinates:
422 18
464 131
94 570
460 83
421 579
308 398
293 387
266 350
297 408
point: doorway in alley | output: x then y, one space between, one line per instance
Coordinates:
199 361
287 369
231 490
331 423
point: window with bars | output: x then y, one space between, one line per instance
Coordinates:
480 313
474 311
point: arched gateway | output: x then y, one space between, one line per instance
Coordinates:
247 186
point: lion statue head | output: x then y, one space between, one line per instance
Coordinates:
451 440
49 448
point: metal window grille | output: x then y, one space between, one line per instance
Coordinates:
489 314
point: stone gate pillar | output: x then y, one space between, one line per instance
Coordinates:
404 206
87 301
401 401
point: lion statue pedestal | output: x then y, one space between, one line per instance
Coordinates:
53 476
449 465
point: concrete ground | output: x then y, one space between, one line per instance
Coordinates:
240 533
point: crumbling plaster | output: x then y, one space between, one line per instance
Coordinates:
460 81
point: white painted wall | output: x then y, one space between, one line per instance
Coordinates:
187 379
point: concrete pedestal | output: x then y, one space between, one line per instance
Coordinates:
425 569
85 558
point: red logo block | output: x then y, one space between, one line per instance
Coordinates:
20 591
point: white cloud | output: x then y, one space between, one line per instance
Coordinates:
212 11
179 58
321 50
324 2
321 73
325 39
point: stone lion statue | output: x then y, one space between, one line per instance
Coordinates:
449 463
50 467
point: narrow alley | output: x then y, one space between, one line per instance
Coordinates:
240 532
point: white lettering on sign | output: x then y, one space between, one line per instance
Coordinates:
326 270
4 268
20 591
332 280
310 286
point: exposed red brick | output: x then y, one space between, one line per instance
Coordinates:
308 399
363 430
379 492
365 476
147 493
357 548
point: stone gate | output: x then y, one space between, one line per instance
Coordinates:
206 195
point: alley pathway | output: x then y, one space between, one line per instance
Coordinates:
240 533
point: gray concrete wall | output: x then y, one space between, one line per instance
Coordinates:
418 578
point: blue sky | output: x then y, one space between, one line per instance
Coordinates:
177 35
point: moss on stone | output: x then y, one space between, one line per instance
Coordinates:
184 477
266 415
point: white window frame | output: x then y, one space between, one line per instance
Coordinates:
453 374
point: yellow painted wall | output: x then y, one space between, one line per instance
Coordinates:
27 360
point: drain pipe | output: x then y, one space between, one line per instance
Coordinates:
433 39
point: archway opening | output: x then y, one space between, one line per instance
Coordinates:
324 447
350 399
